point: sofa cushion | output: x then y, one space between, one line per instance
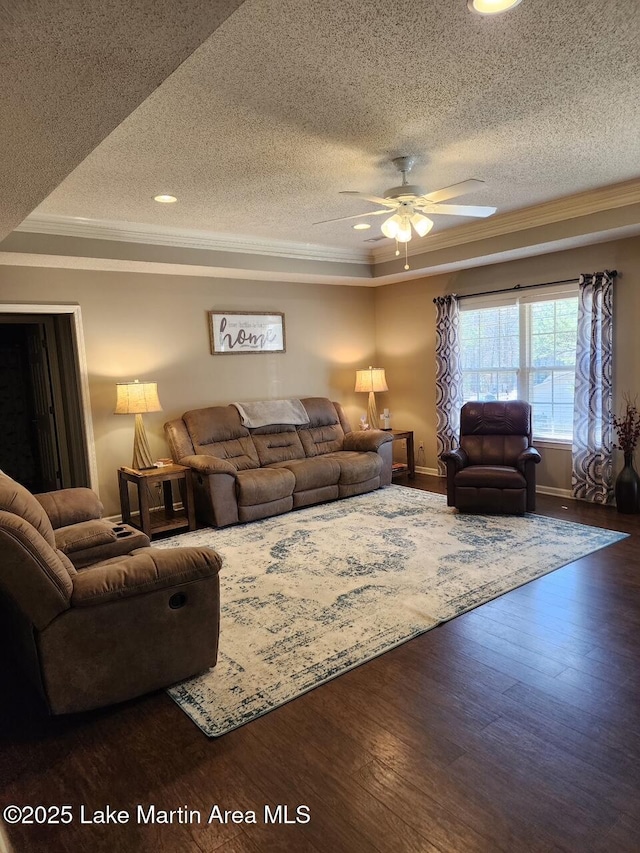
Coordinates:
277 443
70 506
89 544
85 534
257 511
356 466
312 473
263 485
324 433
18 500
490 476
493 449
496 417
217 431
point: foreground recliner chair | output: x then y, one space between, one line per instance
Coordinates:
114 630
493 469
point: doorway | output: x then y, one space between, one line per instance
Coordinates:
42 420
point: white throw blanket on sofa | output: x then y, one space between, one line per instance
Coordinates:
267 412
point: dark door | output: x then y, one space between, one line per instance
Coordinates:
28 448
44 416
42 437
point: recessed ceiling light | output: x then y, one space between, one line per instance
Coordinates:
362 226
491 7
165 199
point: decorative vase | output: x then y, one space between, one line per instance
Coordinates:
628 487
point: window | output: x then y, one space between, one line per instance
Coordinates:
523 348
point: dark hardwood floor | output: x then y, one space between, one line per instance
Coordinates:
514 727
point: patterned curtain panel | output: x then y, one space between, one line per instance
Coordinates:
448 375
592 474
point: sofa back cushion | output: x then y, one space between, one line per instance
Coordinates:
493 449
34 575
324 434
497 417
217 431
495 433
178 439
18 500
277 443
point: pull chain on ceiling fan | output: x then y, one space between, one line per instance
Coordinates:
408 205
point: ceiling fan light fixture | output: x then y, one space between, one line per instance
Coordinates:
491 7
422 224
404 230
391 226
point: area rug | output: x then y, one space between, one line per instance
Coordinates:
308 595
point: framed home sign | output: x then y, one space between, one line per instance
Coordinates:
234 332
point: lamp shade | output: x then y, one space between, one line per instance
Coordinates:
371 379
134 398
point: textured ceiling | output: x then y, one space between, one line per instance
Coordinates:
72 71
290 101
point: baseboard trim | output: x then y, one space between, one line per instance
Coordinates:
558 493
433 472
117 519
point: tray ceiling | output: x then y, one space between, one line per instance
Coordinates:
290 101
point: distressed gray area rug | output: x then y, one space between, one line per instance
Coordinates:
309 595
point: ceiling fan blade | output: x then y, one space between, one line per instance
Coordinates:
374 198
454 190
458 210
356 216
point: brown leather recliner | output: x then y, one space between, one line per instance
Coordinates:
493 469
114 630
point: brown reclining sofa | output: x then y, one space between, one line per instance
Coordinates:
89 622
243 474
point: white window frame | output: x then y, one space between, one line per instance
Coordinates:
522 299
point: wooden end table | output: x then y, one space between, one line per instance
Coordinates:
150 519
410 464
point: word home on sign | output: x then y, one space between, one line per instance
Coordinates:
236 332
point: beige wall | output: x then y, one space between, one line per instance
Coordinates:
405 335
154 327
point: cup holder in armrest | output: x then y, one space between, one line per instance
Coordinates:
122 534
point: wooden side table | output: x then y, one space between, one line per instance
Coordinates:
157 519
410 464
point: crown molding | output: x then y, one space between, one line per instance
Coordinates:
135 232
557 210
31 259
547 213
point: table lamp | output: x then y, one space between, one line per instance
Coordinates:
135 398
372 379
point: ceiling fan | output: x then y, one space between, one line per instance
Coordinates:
408 203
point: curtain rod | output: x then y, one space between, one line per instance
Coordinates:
612 273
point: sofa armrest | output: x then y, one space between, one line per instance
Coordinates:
528 455
366 439
83 535
203 464
458 458
70 506
145 570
